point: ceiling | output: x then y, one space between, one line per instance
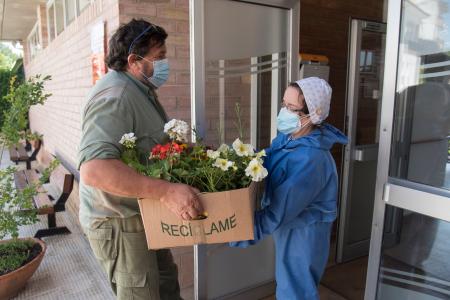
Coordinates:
17 18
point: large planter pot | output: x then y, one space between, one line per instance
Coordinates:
12 283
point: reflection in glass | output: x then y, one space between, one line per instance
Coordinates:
370 86
420 145
415 265
250 83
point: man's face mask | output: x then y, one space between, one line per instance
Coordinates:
160 72
289 122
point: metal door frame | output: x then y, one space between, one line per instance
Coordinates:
350 124
356 27
198 116
429 201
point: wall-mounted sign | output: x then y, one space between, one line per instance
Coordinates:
98 51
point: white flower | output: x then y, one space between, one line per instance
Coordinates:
177 130
127 137
242 149
255 170
212 154
128 140
223 148
260 155
223 164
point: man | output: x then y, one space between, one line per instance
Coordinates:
125 101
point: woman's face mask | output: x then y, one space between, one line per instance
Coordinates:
289 122
160 72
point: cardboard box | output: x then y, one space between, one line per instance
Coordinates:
230 218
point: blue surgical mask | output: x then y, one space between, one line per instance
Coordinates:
289 122
160 72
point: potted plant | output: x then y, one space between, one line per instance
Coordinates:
226 177
19 257
20 98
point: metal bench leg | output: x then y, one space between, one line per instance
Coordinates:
28 165
51 218
52 229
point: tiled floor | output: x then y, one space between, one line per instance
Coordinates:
69 269
325 294
347 279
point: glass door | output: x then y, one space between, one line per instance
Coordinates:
412 191
365 81
242 53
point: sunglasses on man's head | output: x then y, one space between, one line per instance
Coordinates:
152 26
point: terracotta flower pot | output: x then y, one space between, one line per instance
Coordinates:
12 283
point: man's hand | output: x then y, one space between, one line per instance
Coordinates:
115 177
183 201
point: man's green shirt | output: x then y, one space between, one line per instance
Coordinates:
117 104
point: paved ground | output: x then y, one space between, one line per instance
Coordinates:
69 269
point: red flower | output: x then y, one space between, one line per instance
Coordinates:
156 149
162 152
177 148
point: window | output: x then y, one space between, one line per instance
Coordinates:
70 8
366 64
59 15
82 4
34 41
51 21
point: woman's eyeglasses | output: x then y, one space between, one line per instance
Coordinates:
290 108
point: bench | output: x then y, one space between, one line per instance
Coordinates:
18 153
51 198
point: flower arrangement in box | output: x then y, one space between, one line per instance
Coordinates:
209 170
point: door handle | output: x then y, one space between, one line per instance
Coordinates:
366 153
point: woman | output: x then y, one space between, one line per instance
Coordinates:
299 203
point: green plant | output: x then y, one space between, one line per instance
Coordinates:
17 209
16 206
7 57
5 77
13 255
226 168
20 99
33 136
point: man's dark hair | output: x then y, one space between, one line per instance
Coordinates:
135 37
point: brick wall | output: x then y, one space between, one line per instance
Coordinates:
173 16
42 20
67 60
